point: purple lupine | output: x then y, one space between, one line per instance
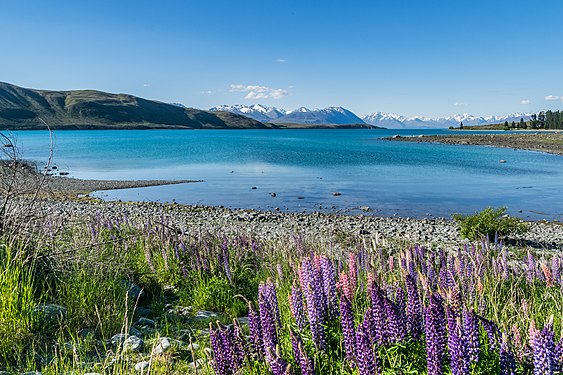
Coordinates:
492 332
379 323
255 328
559 354
277 364
329 286
531 271
348 330
457 346
238 343
272 299
401 310
414 308
556 269
368 362
296 306
314 308
435 336
224 360
471 331
301 358
267 318
395 331
544 352
507 362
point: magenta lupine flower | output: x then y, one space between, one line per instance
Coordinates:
344 285
471 331
367 360
414 309
329 286
348 330
296 306
255 328
435 336
301 358
544 352
507 361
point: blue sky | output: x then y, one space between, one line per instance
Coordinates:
431 58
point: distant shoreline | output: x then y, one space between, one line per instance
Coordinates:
549 142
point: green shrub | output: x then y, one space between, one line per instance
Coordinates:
489 222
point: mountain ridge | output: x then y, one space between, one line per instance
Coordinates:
25 109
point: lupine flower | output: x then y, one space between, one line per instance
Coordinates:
556 269
352 272
296 306
238 343
492 332
277 364
401 310
379 323
368 362
414 308
435 336
544 352
226 360
267 318
559 354
348 330
344 285
547 275
507 360
395 332
531 271
329 286
457 347
255 328
471 331
314 310
518 345
301 358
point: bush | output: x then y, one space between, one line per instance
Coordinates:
489 222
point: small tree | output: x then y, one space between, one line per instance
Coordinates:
506 127
461 125
489 222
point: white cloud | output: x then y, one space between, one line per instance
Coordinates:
553 97
208 92
525 101
281 60
458 104
146 85
259 92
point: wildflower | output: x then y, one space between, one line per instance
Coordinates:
507 360
414 309
296 306
471 331
435 336
368 362
544 352
347 322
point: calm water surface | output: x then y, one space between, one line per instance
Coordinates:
305 167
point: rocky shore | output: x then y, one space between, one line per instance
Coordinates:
270 225
546 142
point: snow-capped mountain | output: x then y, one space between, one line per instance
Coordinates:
256 111
302 115
342 116
330 115
394 121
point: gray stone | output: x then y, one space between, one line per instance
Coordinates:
205 315
197 363
144 312
162 346
144 322
119 338
133 344
193 346
140 366
134 291
50 314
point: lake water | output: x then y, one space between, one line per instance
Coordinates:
305 167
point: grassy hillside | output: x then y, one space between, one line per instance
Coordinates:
23 109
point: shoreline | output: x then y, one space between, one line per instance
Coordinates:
431 232
551 143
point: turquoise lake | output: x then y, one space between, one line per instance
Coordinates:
305 167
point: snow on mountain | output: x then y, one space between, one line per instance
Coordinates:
394 121
302 115
256 111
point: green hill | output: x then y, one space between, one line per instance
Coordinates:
23 109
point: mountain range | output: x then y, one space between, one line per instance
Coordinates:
22 108
340 116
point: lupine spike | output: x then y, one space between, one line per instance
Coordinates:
507 361
435 336
544 352
368 362
348 330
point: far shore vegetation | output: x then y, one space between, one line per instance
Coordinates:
548 120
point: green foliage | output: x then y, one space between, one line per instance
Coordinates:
489 222
17 301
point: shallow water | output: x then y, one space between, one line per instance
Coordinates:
305 167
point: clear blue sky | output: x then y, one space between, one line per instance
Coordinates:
431 58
